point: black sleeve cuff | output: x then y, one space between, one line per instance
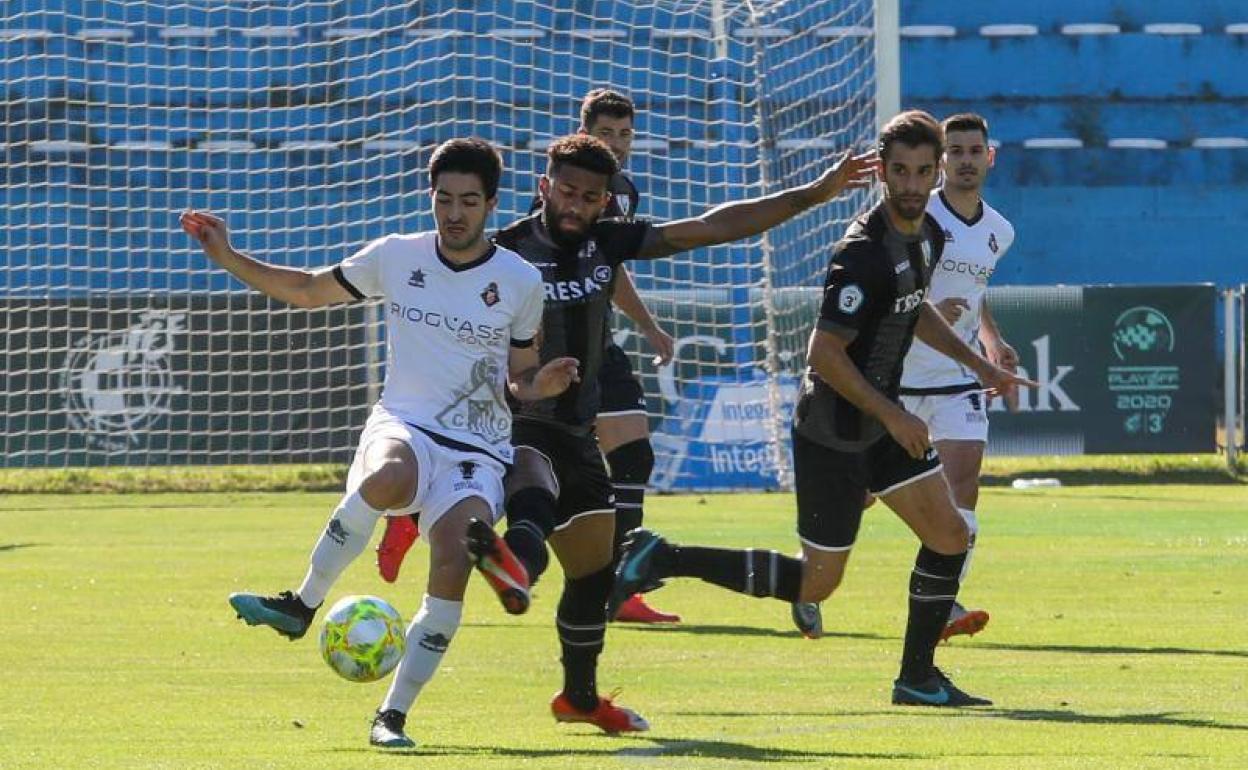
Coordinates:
515 343
847 333
342 279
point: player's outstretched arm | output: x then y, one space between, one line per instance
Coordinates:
626 298
286 284
742 219
530 381
933 329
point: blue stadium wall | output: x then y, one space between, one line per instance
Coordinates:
1099 214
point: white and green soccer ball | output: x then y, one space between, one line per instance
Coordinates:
363 638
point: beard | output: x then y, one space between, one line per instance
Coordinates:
555 219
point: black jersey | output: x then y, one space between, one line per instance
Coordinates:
876 284
578 285
623 203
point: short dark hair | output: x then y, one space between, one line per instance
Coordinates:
912 128
468 156
966 121
584 152
604 101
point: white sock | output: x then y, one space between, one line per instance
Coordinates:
428 637
972 524
344 538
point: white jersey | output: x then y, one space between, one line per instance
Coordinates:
972 248
449 332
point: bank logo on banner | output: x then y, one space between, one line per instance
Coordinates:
1143 388
118 385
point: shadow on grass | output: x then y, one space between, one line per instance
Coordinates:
709 629
1111 649
1060 716
657 748
14 546
1065 716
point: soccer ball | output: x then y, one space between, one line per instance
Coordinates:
363 638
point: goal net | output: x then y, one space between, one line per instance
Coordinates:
307 124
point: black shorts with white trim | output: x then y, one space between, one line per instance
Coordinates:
583 483
832 486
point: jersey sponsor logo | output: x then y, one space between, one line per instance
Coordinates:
602 273
417 280
948 235
849 299
981 273
467 470
463 329
901 267
577 288
909 302
992 242
490 295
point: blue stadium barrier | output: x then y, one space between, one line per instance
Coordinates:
1056 67
1049 15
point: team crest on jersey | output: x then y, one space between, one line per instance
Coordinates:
948 236
490 295
992 242
602 274
417 279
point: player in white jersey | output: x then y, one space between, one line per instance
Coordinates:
934 387
461 319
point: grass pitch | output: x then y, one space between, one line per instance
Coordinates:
1117 641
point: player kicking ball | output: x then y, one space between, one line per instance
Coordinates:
461 320
850 434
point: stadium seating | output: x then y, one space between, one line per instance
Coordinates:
312 121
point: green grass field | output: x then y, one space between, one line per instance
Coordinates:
1118 640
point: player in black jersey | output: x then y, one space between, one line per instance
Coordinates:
851 435
622 425
558 489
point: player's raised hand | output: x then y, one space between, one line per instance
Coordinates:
209 230
848 173
555 377
910 432
952 308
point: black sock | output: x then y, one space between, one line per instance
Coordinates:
582 624
749 571
630 466
530 520
933 587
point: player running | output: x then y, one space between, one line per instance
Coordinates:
438 442
850 434
622 426
936 388
558 489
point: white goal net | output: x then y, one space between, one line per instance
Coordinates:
307 125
